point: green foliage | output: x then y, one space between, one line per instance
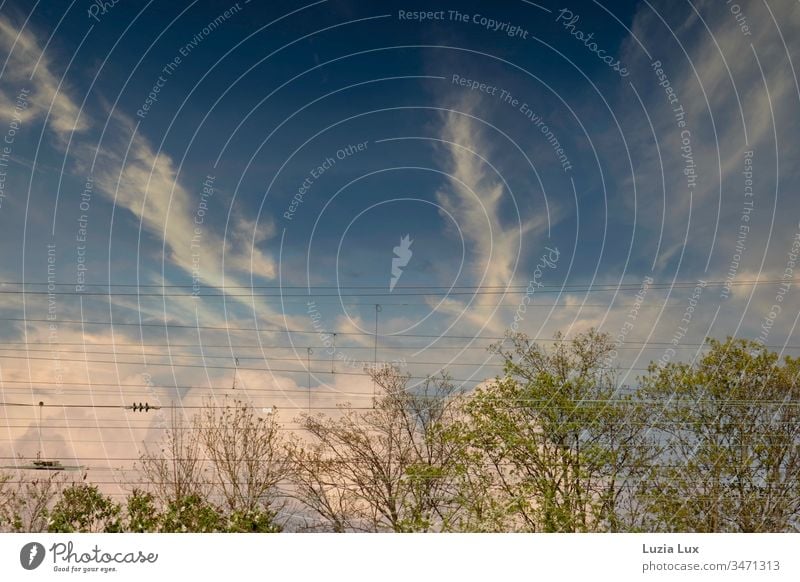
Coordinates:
554 444
6 503
560 443
254 521
82 508
730 424
27 505
142 512
191 514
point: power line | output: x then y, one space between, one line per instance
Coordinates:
125 427
629 345
338 461
226 295
239 329
324 332
201 356
625 486
90 387
219 367
115 362
692 283
530 401
291 427
431 291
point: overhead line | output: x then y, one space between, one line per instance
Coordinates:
383 286
317 332
530 402
136 345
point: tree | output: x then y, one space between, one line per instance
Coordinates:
83 508
731 425
25 507
176 471
142 514
315 484
385 469
561 443
6 502
552 444
260 520
247 456
218 471
191 514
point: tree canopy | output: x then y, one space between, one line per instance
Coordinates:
553 444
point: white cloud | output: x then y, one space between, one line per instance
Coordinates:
49 97
477 199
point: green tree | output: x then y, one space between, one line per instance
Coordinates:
558 442
731 426
83 508
25 505
6 503
192 514
142 513
254 521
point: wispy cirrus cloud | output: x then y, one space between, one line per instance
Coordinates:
27 67
127 169
482 207
738 91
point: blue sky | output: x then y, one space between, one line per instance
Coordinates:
587 168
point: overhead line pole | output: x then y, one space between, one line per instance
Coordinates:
333 355
41 446
375 354
308 364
